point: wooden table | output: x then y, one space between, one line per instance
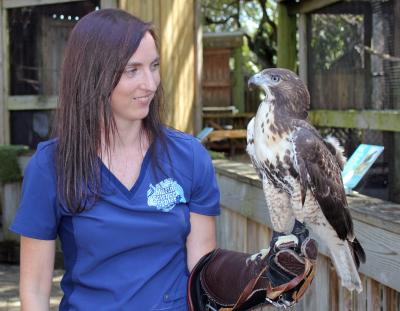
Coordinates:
219 120
233 136
226 134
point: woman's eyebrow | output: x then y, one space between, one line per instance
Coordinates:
135 64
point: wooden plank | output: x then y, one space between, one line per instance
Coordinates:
287 56
226 134
303 48
3 107
157 17
148 10
345 300
378 120
231 230
178 61
319 292
166 61
394 186
172 6
31 102
198 68
106 4
373 295
258 236
308 6
187 64
222 84
5 77
238 81
132 6
53 39
383 260
361 298
368 24
391 299
247 115
8 4
217 82
219 40
376 212
334 285
242 193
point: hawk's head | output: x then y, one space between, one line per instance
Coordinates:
290 93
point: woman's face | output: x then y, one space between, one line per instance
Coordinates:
131 98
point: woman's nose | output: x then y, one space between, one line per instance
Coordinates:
150 80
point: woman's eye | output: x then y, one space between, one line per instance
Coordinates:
156 65
130 72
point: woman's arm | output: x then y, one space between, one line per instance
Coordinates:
201 239
36 272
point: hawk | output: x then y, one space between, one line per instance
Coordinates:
301 171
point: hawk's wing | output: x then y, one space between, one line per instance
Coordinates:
320 172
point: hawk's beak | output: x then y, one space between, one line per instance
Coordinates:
253 81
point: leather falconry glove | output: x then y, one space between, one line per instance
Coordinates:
226 280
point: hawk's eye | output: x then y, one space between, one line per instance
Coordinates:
275 78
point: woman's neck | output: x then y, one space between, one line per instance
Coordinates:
127 138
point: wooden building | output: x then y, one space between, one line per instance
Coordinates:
223 86
34 33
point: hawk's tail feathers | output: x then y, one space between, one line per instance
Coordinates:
358 252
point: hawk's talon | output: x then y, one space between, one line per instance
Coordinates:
286 241
280 302
258 256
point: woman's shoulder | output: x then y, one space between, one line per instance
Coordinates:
178 139
184 144
44 155
172 133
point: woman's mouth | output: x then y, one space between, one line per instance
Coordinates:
143 97
143 100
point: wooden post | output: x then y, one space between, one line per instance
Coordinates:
177 53
238 83
286 38
4 78
303 48
105 4
198 47
394 175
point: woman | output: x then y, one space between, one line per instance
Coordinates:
132 201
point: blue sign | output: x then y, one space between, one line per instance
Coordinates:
204 133
359 163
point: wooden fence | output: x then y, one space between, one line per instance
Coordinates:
244 225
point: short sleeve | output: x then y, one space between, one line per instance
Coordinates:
205 198
36 216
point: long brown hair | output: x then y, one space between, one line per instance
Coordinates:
96 54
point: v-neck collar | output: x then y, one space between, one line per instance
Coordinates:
129 193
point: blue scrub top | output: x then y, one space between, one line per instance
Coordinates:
128 252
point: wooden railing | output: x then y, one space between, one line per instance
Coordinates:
244 225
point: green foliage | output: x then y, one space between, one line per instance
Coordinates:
9 168
257 18
334 37
216 155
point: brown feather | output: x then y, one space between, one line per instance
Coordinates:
324 181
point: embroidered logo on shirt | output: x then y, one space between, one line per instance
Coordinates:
165 195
